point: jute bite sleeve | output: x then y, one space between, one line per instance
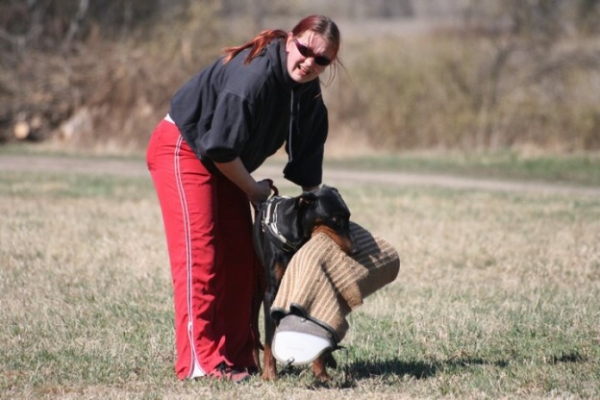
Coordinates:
325 284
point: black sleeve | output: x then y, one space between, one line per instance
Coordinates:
305 167
229 129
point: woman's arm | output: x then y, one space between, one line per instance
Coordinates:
235 171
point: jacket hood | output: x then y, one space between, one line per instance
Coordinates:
278 56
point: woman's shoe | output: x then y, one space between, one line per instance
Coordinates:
226 372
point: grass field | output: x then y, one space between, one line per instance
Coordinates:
497 297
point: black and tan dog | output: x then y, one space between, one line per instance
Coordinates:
282 225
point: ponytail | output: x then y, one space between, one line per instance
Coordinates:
257 44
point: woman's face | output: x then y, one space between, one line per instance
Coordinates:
307 55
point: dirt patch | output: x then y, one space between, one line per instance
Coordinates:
331 176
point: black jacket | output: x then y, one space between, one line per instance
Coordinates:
250 111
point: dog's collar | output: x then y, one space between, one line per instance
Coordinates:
270 224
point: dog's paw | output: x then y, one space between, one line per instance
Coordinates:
269 375
322 377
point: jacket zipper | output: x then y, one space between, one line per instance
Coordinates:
291 128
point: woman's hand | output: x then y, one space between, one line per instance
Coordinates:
257 192
261 193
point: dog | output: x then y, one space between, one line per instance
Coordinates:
282 225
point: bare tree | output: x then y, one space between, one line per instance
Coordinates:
76 22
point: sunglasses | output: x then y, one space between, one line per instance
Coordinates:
307 52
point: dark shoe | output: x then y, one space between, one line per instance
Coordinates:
252 370
224 371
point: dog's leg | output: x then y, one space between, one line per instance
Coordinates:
274 277
269 364
320 370
319 366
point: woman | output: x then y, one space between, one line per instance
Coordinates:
222 125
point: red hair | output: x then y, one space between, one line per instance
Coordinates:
319 24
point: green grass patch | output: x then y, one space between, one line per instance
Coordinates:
57 185
580 169
574 169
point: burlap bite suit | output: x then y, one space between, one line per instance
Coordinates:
324 284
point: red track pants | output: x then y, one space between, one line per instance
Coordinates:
207 222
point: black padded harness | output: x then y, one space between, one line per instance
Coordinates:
270 221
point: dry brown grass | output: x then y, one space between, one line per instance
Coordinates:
497 296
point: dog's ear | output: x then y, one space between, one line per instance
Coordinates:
307 200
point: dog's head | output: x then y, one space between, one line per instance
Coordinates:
324 210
